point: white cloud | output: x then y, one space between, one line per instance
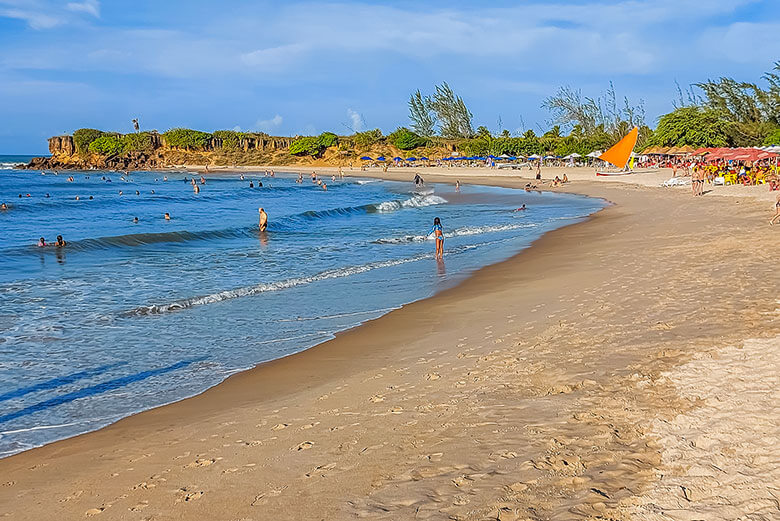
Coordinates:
356 122
87 6
35 19
269 125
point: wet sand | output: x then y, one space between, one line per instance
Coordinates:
620 368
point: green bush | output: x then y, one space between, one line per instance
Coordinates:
328 139
107 145
773 138
306 146
367 138
187 139
140 142
231 140
84 136
405 139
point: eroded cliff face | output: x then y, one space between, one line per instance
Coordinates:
64 154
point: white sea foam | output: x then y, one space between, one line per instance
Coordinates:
270 286
458 232
417 201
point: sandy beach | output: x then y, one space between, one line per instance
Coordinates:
621 368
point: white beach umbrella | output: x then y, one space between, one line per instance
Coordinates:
535 156
595 153
503 156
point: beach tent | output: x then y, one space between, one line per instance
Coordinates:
366 158
397 158
573 155
411 159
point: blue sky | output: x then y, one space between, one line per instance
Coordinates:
305 67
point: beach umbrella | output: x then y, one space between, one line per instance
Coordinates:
511 158
411 159
380 158
424 159
534 156
595 153
366 158
396 158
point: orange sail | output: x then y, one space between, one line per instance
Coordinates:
618 155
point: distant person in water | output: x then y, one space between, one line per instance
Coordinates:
3 207
438 234
324 187
41 242
522 208
202 180
167 216
135 220
418 181
457 185
263 224
60 242
251 184
137 192
196 189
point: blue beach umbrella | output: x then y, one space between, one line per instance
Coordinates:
424 159
380 158
366 158
396 158
411 159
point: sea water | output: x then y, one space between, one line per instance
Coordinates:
129 316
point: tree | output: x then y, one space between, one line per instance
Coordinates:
140 142
83 137
595 115
229 139
107 145
421 114
693 126
405 139
187 139
773 138
454 118
328 139
306 146
367 138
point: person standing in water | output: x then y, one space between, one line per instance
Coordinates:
60 242
263 224
438 234
457 185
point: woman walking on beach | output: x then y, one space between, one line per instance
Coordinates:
777 212
438 235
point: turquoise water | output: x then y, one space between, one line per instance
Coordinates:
130 315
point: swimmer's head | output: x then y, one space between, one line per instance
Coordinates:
436 221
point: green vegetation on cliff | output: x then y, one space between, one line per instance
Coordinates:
83 137
187 139
107 145
405 139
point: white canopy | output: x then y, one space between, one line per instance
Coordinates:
572 156
503 156
595 153
535 156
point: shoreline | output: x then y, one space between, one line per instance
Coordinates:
398 336
280 391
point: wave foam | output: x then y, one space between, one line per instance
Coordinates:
458 232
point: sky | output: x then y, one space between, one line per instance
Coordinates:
290 68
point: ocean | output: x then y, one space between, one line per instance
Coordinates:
132 315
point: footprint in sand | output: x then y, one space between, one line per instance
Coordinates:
140 506
262 499
94 511
432 376
280 426
200 462
306 445
187 494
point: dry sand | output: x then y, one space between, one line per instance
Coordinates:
620 368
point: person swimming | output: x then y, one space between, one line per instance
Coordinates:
60 242
438 234
196 189
167 216
263 224
41 242
135 220
521 208
3 206
251 184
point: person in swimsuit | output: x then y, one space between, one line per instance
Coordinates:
777 212
41 242
438 234
263 224
60 242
